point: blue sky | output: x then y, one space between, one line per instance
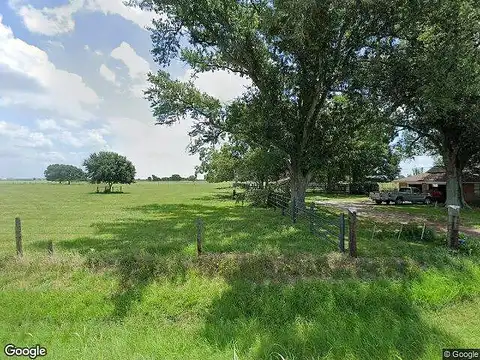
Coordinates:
71 75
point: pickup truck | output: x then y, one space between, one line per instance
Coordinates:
409 194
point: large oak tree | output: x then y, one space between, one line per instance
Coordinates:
298 54
429 75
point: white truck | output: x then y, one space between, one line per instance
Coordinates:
409 194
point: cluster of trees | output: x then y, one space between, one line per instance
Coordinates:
239 162
174 177
336 87
103 167
325 77
64 173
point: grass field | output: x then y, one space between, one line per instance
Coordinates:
124 281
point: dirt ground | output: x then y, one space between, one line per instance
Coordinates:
367 209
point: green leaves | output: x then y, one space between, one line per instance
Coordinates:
110 168
237 161
61 172
298 55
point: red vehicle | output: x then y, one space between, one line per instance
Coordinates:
437 196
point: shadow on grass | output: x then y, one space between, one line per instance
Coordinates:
288 292
320 319
161 239
109 193
215 197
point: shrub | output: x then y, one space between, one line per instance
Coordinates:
258 197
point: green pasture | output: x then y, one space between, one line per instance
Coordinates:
125 282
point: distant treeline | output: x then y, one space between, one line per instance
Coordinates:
174 177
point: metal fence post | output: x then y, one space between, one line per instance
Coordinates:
312 209
352 238
341 236
199 236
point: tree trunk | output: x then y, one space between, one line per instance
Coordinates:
454 194
109 187
298 187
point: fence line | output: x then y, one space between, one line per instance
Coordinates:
319 225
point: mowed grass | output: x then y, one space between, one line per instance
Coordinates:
125 283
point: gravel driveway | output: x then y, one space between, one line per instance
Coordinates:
368 209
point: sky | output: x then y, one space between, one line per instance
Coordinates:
71 79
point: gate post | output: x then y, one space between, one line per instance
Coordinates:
341 235
352 238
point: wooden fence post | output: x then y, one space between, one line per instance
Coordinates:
453 225
50 248
341 236
18 236
199 236
312 213
294 209
352 238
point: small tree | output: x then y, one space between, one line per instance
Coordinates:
62 172
110 168
176 177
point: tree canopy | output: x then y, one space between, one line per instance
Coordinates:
299 55
429 75
236 161
110 168
62 173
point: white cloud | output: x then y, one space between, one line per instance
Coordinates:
47 124
98 52
137 66
61 91
86 48
117 7
14 135
153 149
49 21
73 136
72 123
107 74
59 20
223 85
55 43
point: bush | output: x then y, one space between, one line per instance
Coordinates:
258 197
363 188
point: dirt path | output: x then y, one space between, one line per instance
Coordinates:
367 209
